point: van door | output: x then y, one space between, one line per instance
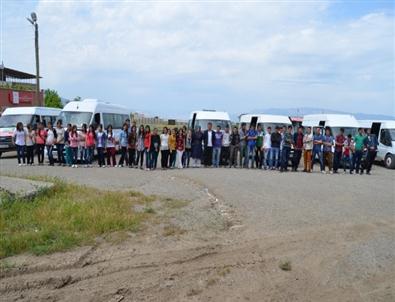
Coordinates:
96 120
375 129
254 121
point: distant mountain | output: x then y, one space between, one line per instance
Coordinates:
309 110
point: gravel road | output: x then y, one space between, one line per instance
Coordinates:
337 230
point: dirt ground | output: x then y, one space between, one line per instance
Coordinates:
244 235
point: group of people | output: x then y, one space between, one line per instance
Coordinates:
183 147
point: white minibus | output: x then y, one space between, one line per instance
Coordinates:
265 120
26 115
203 117
334 121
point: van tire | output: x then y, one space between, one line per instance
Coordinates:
389 161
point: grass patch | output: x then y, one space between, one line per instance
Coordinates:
285 265
65 216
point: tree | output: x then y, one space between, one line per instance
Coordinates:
52 99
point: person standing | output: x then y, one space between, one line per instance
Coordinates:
147 147
73 140
110 147
90 138
243 145
132 141
173 148
298 148
371 144
275 148
327 149
217 146
82 146
317 149
287 145
123 143
41 137
60 141
19 140
50 142
267 146
197 139
140 147
307 147
259 147
68 159
164 148
251 142
234 147
100 146
347 153
154 149
180 146
225 150
359 140
30 141
339 143
209 142
188 148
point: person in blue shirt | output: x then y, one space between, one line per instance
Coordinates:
327 149
371 144
317 149
123 142
251 142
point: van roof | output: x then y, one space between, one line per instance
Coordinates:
331 120
93 105
32 110
387 124
266 118
211 115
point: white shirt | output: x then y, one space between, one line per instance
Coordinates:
226 139
30 138
164 141
99 136
50 137
209 138
20 137
110 141
267 141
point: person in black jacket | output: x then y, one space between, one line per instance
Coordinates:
276 142
208 141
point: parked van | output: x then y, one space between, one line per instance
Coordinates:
202 118
265 120
334 121
385 132
26 115
94 112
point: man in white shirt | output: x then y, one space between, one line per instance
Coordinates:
225 152
267 146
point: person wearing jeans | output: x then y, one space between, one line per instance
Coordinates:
259 148
275 148
101 139
243 145
30 140
327 149
123 143
60 132
371 144
251 142
287 145
147 146
267 146
234 147
19 140
50 142
154 148
90 138
164 148
217 147
73 139
359 140
317 149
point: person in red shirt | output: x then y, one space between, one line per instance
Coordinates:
298 148
147 147
41 137
339 143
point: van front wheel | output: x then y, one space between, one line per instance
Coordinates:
389 161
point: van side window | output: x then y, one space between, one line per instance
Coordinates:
45 119
35 120
108 119
385 137
118 121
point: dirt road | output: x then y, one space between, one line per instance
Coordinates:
335 231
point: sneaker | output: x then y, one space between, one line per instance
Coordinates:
331 172
19 165
323 172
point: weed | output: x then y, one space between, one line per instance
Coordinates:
285 265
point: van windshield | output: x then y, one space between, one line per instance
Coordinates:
347 130
10 121
392 134
203 123
75 118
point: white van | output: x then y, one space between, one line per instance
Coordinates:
334 121
94 112
385 132
202 118
265 120
26 115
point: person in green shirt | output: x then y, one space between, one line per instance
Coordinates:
359 148
259 148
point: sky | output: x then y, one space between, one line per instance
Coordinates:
168 58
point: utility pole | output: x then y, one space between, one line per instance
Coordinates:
33 21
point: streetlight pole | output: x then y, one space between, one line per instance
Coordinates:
33 21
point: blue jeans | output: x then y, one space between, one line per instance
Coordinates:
20 151
347 162
100 156
216 156
88 155
60 149
50 154
153 159
250 155
320 157
147 159
83 155
356 160
267 158
285 157
275 153
74 151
